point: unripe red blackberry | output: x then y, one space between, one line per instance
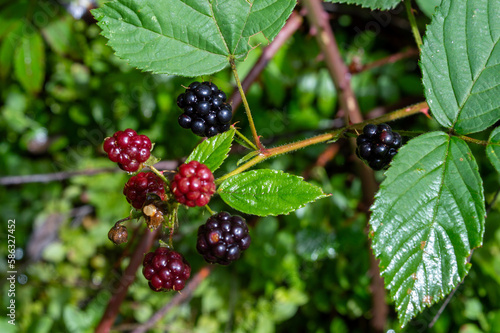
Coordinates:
166 270
140 185
128 149
378 145
206 112
118 234
223 238
193 185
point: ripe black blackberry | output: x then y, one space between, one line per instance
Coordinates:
166 270
206 112
128 149
378 145
223 238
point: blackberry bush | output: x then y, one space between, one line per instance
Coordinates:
193 185
378 145
166 270
128 149
206 112
138 186
223 238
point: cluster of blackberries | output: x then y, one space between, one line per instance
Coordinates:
166 270
223 238
378 145
206 112
140 185
193 185
128 149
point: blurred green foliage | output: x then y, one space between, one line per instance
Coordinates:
63 91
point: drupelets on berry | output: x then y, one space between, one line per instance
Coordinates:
378 145
223 238
128 149
166 270
193 185
138 186
206 112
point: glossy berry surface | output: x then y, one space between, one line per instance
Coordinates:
378 145
223 238
140 185
128 149
193 185
166 270
205 110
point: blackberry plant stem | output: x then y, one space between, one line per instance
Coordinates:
245 104
159 174
333 135
413 22
244 138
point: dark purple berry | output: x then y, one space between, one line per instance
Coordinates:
184 121
166 270
198 126
370 130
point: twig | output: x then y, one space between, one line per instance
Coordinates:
293 23
62 175
182 296
413 22
126 280
355 68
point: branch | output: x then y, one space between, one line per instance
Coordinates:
126 280
62 175
293 23
355 67
180 297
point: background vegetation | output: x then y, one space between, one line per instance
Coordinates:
63 91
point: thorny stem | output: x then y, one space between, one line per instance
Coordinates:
472 140
413 22
244 138
272 152
256 138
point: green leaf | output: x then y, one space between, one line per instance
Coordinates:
213 151
268 192
460 64
372 4
7 50
493 148
428 6
29 62
427 217
188 37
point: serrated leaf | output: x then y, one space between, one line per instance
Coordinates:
188 37
427 217
460 64
213 151
268 192
493 148
428 6
29 62
372 4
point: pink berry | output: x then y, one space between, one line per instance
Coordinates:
193 185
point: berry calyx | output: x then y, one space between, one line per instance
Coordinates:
128 149
118 234
138 186
223 238
166 270
193 185
206 112
378 145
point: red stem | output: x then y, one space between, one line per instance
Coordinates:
126 280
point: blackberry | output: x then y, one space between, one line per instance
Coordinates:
378 145
205 110
193 185
128 149
166 270
140 185
223 238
